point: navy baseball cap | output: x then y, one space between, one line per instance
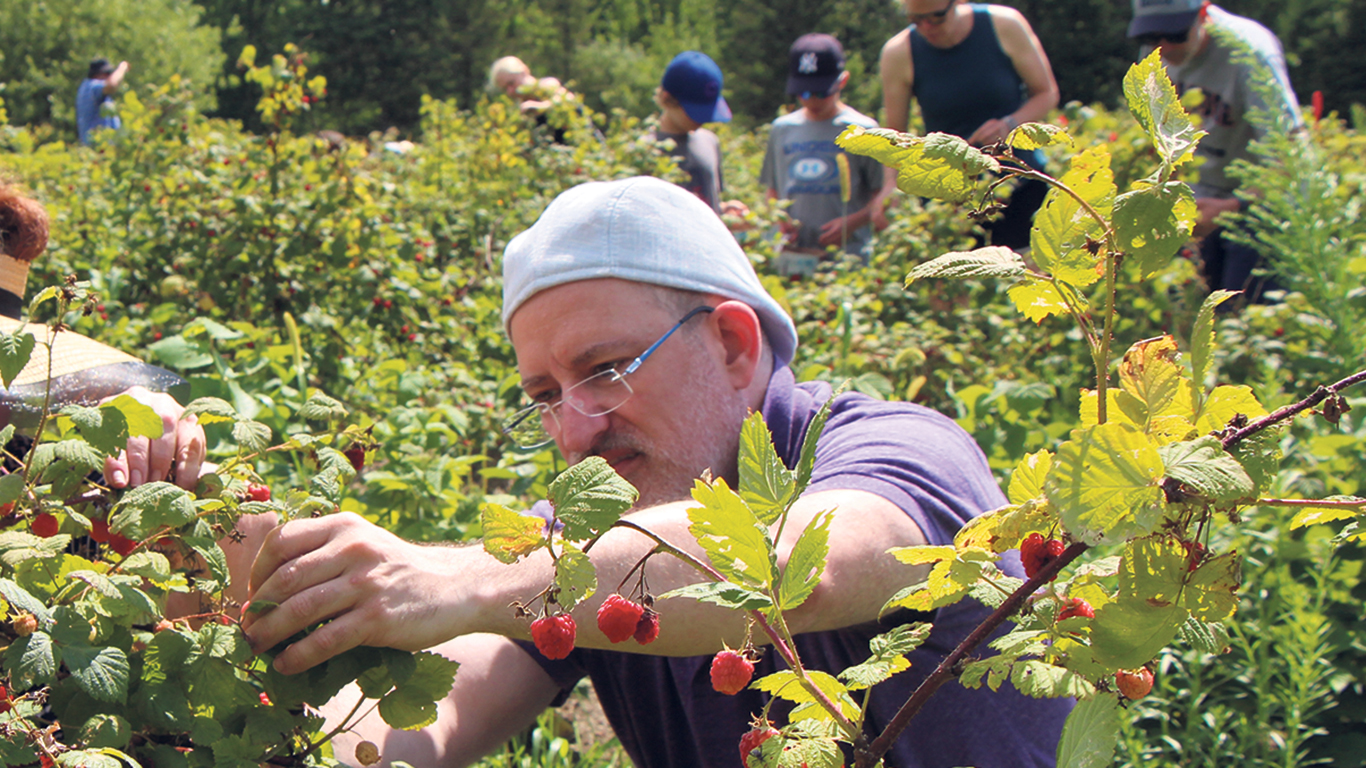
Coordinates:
100 66
1163 17
814 65
694 80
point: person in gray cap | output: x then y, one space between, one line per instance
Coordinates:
644 336
95 98
1197 58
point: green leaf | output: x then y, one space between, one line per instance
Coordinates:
1203 466
92 758
766 484
1318 515
1206 637
1129 632
106 431
1104 483
234 751
1026 482
806 563
1152 224
1090 734
1032 136
589 497
1154 103
1063 226
1202 341
508 535
11 487
1212 592
15 351
251 435
181 353
320 407
1153 570
785 685
991 261
407 710
889 656
20 599
141 419
575 577
735 541
938 165
1225 402
106 731
18 546
724 594
32 661
1037 299
1154 391
101 672
211 410
213 555
412 703
811 753
1042 680
150 506
47 294
807 461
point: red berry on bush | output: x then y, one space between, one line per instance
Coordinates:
6 509
45 526
265 699
752 740
647 629
356 455
1076 607
554 635
618 618
162 626
1036 552
730 672
99 530
122 544
1134 683
257 492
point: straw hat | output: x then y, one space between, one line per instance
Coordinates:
83 370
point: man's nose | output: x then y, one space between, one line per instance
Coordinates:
578 432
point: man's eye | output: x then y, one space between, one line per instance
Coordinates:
545 397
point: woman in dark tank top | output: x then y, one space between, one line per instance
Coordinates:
977 71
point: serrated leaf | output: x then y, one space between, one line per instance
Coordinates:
575 577
733 538
993 671
785 685
1225 402
1153 101
807 460
1038 299
1212 592
15 351
18 546
407 710
1026 482
142 419
251 435
1032 136
1063 226
1153 570
1153 384
724 594
100 672
1130 631
19 598
811 753
766 484
1104 483
508 535
32 661
940 588
1042 680
806 563
98 581
589 497
74 454
150 506
1206 637
922 554
888 657
1152 224
991 261
938 165
1317 515
107 431
211 410
234 751
320 407
213 555
1090 733
1203 466
1202 342
90 758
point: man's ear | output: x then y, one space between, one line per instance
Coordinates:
742 339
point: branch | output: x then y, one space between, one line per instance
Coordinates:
1345 503
1281 414
946 668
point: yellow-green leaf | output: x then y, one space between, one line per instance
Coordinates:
1032 136
1225 402
1026 482
509 535
1104 483
1037 299
1212 592
1151 224
991 261
939 166
1153 101
735 541
1315 515
1063 226
575 578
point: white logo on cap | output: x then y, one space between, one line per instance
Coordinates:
807 65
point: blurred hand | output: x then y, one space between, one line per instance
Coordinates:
180 448
1211 208
989 132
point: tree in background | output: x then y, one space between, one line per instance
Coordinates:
46 48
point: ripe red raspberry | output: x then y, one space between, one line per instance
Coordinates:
99 530
618 618
1076 607
257 492
122 544
750 742
554 635
6 509
730 672
45 526
356 455
25 625
162 626
265 699
1134 683
647 629
1036 552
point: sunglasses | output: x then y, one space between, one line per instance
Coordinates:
1154 38
933 17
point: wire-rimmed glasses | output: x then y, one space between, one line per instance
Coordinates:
598 395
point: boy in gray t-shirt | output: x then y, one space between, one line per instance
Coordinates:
801 163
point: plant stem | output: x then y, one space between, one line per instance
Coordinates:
1281 414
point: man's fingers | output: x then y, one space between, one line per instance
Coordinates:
338 636
190 451
323 599
136 456
116 469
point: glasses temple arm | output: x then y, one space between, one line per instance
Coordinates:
636 362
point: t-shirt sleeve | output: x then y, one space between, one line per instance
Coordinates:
912 456
768 175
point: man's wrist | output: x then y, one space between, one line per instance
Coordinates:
1011 122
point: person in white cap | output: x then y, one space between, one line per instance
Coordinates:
644 336
1197 58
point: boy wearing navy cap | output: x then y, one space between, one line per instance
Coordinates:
801 163
688 96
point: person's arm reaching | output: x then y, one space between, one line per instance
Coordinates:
1031 63
115 78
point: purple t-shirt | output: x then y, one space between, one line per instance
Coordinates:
666 713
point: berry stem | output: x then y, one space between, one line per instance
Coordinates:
1281 414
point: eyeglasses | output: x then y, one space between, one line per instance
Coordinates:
933 17
598 395
1155 38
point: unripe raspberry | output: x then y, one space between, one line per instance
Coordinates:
751 741
1076 607
618 618
730 672
1134 683
367 753
45 526
25 625
647 629
162 626
554 635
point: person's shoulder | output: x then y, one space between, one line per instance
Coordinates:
851 116
1007 20
898 45
794 118
1248 30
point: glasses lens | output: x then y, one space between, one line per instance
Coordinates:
598 394
527 427
1157 38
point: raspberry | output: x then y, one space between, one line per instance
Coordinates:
1134 683
122 545
44 526
751 741
619 617
730 672
554 635
356 455
647 629
1076 607
162 626
1036 552
265 698
25 625
257 492
99 530
367 753
6 509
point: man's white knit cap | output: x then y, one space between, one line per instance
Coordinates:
641 229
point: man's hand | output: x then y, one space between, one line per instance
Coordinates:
180 448
1211 208
836 231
